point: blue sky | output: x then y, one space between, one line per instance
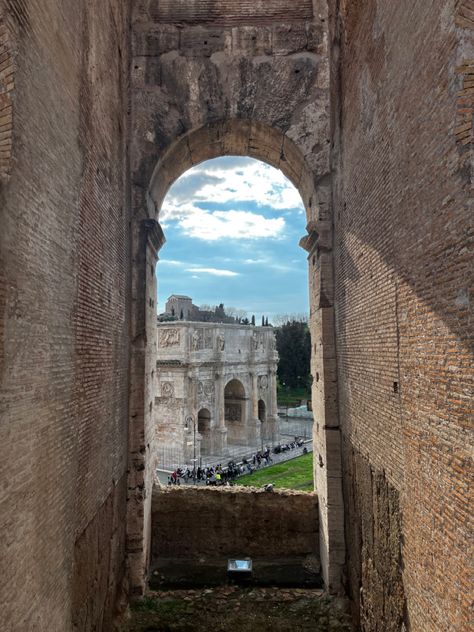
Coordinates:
232 228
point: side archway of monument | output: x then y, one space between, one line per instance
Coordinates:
243 137
204 422
235 410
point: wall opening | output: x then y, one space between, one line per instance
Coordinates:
204 429
239 137
235 413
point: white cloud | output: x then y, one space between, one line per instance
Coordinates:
211 226
229 179
170 262
213 272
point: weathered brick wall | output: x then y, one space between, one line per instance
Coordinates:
403 271
64 260
228 11
222 522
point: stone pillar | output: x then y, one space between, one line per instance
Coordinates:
254 377
194 438
326 429
252 422
272 415
220 436
147 239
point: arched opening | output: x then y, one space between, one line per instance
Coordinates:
235 413
204 429
238 137
265 434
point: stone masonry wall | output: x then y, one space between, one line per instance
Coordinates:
222 522
64 261
404 340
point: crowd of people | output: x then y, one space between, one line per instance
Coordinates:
217 475
226 475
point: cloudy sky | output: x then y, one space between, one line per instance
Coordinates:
232 229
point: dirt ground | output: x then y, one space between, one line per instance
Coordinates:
244 609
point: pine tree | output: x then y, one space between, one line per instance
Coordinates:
253 319
263 321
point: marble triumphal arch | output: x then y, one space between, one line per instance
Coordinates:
212 381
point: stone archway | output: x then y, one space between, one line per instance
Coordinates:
260 94
235 413
265 431
204 429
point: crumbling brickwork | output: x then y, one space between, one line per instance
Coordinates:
64 273
225 522
403 335
7 85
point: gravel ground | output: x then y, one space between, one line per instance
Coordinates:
230 608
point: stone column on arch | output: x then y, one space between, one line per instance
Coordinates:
253 422
272 416
192 436
220 433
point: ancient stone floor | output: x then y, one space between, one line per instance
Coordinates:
242 609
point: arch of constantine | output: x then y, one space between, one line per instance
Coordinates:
215 389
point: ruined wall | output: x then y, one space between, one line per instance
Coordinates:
64 261
223 522
403 233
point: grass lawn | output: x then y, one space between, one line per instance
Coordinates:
294 474
292 396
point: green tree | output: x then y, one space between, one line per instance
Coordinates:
294 348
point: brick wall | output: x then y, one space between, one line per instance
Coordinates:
403 233
64 293
222 522
7 84
228 11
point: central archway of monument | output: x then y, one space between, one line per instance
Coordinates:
235 413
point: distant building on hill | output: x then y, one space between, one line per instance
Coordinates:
181 307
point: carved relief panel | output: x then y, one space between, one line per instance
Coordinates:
167 390
258 341
169 337
205 391
263 382
201 339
